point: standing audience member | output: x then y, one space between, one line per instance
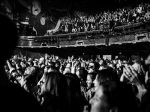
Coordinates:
53 93
76 101
90 86
138 66
111 95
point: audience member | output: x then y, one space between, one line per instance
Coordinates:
12 96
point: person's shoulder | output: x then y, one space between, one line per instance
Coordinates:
15 98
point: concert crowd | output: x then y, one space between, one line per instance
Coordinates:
75 84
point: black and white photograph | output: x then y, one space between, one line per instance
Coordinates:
75 56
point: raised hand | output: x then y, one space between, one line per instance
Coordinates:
131 74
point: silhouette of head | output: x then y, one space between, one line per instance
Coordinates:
15 95
9 37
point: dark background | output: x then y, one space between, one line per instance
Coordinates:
91 6
60 7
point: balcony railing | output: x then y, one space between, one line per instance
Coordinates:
120 34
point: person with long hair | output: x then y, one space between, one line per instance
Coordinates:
53 92
76 100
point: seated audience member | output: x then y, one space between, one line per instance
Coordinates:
12 97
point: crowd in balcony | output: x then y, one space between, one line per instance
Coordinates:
106 20
82 22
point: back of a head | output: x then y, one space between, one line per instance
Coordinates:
73 82
113 96
52 65
136 58
12 95
9 37
55 91
73 93
107 75
9 40
51 83
119 97
83 73
55 83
